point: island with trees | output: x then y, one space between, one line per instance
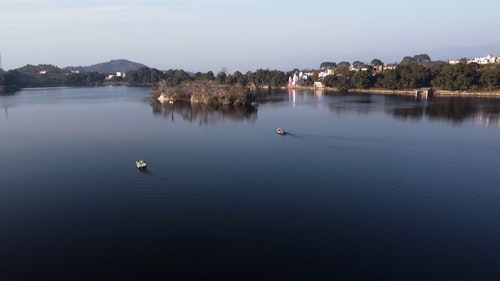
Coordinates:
207 92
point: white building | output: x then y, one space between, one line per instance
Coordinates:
479 60
485 60
325 73
318 84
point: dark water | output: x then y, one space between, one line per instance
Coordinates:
365 187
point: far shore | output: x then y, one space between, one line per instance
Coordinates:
436 92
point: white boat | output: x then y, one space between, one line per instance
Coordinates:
281 131
141 164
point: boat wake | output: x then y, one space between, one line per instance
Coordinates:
295 135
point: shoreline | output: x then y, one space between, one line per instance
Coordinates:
436 92
439 93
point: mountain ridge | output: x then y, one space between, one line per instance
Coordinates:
110 67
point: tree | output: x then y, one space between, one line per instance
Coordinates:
466 76
343 78
221 77
144 76
389 79
13 78
330 81
362 80
340 80
343 83
377 62
422 58
327 65
94 77
358 64
443 76
209 76
408 59
460 76
271 78
175 77
490 77
343 64
435 68
240 78
412 75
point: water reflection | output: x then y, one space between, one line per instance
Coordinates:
303 96
483 111
455 109
359 103
8 91
202 113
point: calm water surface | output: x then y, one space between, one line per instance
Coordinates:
365 187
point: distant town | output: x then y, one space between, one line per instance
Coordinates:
474 75
480 60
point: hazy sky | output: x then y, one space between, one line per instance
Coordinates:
202 35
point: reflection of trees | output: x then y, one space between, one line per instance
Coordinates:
203 113
359 103
487 119
407 107
488 114
455 109
8 91
415 112
269 95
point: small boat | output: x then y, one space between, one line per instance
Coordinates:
141 164
281 131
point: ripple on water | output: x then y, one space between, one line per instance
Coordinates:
176 187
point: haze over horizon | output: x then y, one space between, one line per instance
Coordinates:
202 35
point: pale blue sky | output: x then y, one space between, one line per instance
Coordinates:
202 35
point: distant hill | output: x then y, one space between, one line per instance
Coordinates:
110 67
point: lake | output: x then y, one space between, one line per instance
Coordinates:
364 187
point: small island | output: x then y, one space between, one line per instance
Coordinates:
207 92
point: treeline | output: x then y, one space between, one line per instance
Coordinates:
410 75
412 72
171 77
47 75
